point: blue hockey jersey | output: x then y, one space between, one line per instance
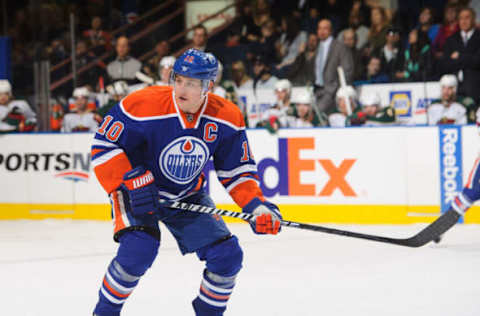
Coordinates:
148 128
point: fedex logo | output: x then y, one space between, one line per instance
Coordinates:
290 168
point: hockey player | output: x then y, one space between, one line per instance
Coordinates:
82 119
303 114
155 143
117 91
218 89
164 70
276 116
15 115
447 110
339 117
372 113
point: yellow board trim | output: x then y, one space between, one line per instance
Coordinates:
339 214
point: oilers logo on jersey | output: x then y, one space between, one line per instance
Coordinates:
183 159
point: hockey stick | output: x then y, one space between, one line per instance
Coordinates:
429 233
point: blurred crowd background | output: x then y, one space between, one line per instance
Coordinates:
98 51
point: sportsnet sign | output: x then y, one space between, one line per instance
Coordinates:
70 166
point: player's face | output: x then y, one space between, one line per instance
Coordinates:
342 105
448 93
281 95
4 97
165 74
188 93
370 110
302 110
81 103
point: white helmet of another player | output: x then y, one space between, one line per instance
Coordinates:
304 96
5 87
449 81
81 92
283 84
346 92
167 61
118 88
370 98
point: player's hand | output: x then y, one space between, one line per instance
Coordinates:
267 217
141 190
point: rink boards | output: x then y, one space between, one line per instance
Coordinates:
391 175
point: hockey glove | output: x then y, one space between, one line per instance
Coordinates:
141 190
267 219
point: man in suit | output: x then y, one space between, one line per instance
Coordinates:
461 55
329 55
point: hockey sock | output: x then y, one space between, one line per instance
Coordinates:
135 255
117 285
214 293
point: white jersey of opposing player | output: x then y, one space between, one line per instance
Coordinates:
280 112
337 120
454 114
79 122
220 91
161 83
296 122
21 107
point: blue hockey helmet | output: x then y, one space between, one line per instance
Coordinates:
196 64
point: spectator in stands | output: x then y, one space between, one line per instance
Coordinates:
15 115
417 59
116 91
165 70
302 71
329 56
336 12
374 73
391 54
425 23
124 67
350 41
355 23
276 116
448 28
378 29
200 38
82 120
151 68
96 35
250 31
263 78
461 55
85 57
311 20
291 38
447 110
266 43
239 75
346 99
372 113
261 13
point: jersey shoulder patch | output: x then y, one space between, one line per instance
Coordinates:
149 103
224 110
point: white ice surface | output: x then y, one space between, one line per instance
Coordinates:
54 268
